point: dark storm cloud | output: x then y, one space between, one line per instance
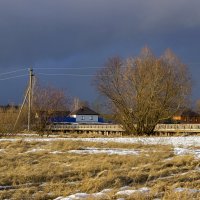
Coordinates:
86 32
33 31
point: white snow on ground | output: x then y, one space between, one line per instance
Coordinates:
125 188
34 150
56 152
197 168
2 150
109 151
79 196
175 141
117 151
129 191
124 191
184 151
181 144
186 190
5 187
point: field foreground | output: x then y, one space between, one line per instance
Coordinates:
100 168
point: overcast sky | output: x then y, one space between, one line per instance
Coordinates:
84 33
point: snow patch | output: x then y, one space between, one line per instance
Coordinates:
79 196
5 187
34 150
106 190
144 190
56 152
197 168
2 151
124 188
109 151
175 141
126 192
185 151
186 190
129 191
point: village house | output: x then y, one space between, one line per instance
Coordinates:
81 115
187 117
85 115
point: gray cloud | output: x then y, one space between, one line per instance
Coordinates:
86 32
48 29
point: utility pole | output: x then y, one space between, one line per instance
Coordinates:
30 97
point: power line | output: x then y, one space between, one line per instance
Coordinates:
70 68
83 67
11 72
12 77
65 68
193 63
46 74
57 74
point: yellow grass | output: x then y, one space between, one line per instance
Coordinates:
45 175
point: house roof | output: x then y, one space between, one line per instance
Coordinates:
189 113
84 111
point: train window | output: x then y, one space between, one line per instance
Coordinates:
91 117
82 117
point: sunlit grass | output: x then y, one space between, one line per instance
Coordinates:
46 170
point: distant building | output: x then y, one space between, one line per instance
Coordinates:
85 115
81 115
187 117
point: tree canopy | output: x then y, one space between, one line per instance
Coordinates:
144 90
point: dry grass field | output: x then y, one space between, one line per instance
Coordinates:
88 170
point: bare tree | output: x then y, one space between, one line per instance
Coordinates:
47 101
78 103
8 116
144 90
197 106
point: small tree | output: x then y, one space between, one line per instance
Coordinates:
144 90
8 115
46 101
78 103
197 106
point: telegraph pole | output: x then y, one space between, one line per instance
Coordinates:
30 97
